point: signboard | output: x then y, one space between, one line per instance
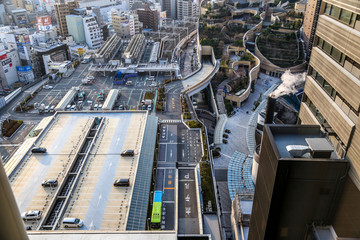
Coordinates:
44 23
25 73
23 39
6 62
23 68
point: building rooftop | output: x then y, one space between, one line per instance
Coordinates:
94 199
304 135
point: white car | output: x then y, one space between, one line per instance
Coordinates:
31 215
48 87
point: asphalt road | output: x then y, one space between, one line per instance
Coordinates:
188 211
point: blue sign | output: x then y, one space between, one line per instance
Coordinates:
23 68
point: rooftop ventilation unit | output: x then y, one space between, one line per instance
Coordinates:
297 150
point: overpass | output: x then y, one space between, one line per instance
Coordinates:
151 67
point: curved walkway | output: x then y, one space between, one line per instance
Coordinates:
205 71
250 130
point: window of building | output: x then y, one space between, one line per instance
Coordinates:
335 12
343 15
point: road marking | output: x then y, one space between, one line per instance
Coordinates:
169 188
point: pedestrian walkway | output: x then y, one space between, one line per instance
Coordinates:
170 121
239 175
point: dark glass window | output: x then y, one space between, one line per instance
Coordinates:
336 54
327 9
335 12
327 47
346 16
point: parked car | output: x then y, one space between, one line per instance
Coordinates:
149 108
96 106
72 222
225 135
225 141
31 215
73 108
227 131
122 182
38 150
129 153
52 109
49 183
47 109
143 107
121 107
68 107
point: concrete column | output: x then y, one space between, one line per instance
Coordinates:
11 224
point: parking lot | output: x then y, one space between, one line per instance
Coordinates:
95 200
130 97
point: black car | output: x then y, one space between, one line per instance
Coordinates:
49 183
225 135
128 153
38 150
122 182
225 141
227 131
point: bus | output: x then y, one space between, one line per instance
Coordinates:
156 211
101 95
81 95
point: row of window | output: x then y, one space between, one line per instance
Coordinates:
332 51
343 15
322 82
329 89
314 110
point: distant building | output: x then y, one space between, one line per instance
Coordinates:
309 24
9 60
300 6
187 8
125 24
63 9
93 33
170 7
18 3
75 27
20 17
148 17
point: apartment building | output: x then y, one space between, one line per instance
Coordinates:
76 27
63 8
125 24
170 7
187 8
93 33
148 17
332 100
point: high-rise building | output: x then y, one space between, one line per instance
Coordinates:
169 6
310 19
62 9
93 33
299 183
187 8
332 100
125 24
75 27
148 17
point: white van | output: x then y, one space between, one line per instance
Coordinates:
72 223
96 106
68 107
47 109
73 108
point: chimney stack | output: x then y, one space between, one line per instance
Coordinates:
270 110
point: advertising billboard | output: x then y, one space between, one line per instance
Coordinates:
25 73
44 23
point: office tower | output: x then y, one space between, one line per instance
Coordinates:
332 98
170 7
62 9
76 27
309 25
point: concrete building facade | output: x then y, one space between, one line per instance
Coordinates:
63 9
310 19
148 17
75 27
332 100
170 7
186 8
93 33
125 24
